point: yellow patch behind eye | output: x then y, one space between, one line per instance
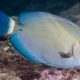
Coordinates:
77 42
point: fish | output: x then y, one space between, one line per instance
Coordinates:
45 38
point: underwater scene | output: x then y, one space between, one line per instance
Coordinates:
39 39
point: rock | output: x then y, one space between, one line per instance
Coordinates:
6 76
6 48
75 10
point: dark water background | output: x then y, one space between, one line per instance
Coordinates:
15 7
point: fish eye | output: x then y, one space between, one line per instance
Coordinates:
20 29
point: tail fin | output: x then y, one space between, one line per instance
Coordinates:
6 24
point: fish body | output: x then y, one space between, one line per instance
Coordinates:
47 39
44 38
